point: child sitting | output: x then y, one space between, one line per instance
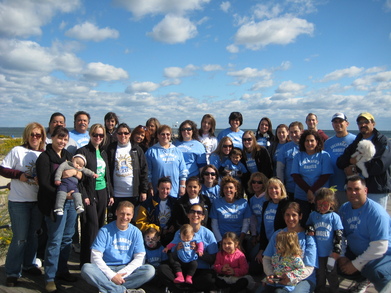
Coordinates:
233 166
65 185
153 249
187 252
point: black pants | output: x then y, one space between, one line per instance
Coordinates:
187 268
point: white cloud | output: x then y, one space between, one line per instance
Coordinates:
249 74
97 71
289 87
232 49
212 67
262 84
23 18
269 10
280 31
370 82
153 7
225 6
88 31
178 72
146 86
174 29
342 73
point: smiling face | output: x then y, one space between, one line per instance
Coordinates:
282 135
247 141
235 124
164 137
263 127
229 190
274 191
292 219
59 143
139 137
257 185
227 147
310 144
311 122
81 123
124 216
97 137
193 189
110 124
340 126
123 135
209 176
35 138
206 125
56 121
356 193
187 132
196 215
229 246
164 189
152 127
366 127
295 133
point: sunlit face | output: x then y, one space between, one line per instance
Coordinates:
229 191
235 124
292 218
193 189
164 137
164 189
81 123
310 144
366 127
311 122
124 216
229 246
97 137
139 137
209 175
152 127
196 215
323 206
282 135
247 141
263 127
59 143
235 159
56 121
340 125
187 132
151 240
35 138
187 237
123 135
356 193
274 191
257 185
227 147
295 133
206 125
110 124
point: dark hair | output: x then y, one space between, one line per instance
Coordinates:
152 230
236 116
311 114
60 131
124 125
212 124
112 115
193 178
228 179
357 178
197 204
269 131
194 131
303 137
294 206
81 113
236 151
55 114
165 179
216 180
281 126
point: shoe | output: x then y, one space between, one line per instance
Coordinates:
360 287
67 277
179 278
59 212
51 287
79 210
135 290
34 271
76 247
11 281
189 280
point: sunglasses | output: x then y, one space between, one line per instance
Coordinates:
196 212
256 181
143 127
123 133
186 129
165 134
209 173
247 139
36 135
227 146
100 135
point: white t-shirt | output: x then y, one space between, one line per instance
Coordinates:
123 172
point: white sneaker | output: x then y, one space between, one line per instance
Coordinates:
135 291
59 212
360 287
79 210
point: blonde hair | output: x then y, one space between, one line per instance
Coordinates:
275 180
186 229
94 127
288 244
27 134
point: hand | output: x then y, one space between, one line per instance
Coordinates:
310 196
143 197
350 170
165 250
87 201
200 253
284 280
259 257
111 201
353 161
23 177
270 278
57 182
182 191
69 173
347 268
150 191
334 255
69 194
117 279
193 245
179 246
254 240
95 175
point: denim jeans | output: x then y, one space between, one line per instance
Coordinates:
94 276
58 247
380 198
304 286
26 221
378 271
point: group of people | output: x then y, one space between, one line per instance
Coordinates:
198 211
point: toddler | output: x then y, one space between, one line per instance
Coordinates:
233 166
153 249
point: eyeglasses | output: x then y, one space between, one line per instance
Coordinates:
100 135
247 139
256 181
36 135
196 212
165 134
227 146
209 173
186 129
123 133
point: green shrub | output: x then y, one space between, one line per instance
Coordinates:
5 234
7 144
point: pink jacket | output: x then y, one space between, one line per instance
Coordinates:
237 261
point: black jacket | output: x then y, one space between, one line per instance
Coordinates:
379 180
182 207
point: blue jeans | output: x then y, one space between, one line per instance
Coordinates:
304 286
378 271
380 198
58 246
95 277
26 221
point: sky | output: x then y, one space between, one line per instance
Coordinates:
177 60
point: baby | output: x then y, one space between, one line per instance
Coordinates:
67 184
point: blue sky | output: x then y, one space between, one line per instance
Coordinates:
177 60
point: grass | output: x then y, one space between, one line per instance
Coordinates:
5 233
6 144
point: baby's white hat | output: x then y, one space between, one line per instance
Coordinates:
82 157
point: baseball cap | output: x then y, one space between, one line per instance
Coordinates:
339 115
366 115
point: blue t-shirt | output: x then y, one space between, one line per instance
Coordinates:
310 167
285 156
215 160
325 225
117 246
212 193
155 256
194 155
251 164
230 215
308 246
335 146
228 165
268 218
81 139
368 223
235 136
256 206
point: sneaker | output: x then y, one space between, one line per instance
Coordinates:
79 210
360 287
51 287
67 277
34 271
135 290
76 247
11 281
59 212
